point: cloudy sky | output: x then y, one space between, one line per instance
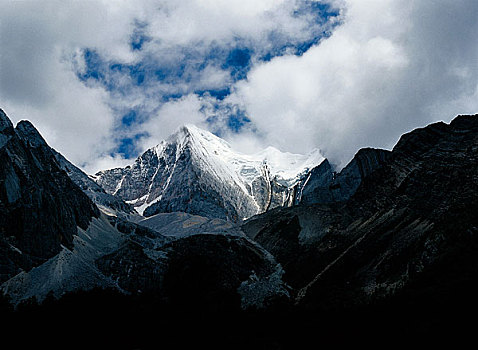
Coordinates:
104 80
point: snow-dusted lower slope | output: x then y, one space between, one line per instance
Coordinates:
70 269
195 171
131 258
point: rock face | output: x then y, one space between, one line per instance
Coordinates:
193 262
411 225
94 191
40 207
198 173
325 186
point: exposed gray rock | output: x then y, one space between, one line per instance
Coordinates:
316 187
40 207
96 193
6 128
180 224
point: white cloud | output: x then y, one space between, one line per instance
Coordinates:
106 161
40 43
170 117
41 52
193 21
391 66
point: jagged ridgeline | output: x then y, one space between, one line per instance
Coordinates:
395 231
60 232
410 228
40 207
196 172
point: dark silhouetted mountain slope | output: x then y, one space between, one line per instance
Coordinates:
40 207
412 219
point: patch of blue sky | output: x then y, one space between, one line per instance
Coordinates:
168 73
129 118
219 114
237 121
166 97
127 146
136 72
218 94
182 69
138 37
186 71
238 62
93 66
234 57
320 11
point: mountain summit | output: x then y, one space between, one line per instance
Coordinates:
197 172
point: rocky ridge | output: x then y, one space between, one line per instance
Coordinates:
40 207
405 221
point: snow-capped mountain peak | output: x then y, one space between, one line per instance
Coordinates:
195 171
286 166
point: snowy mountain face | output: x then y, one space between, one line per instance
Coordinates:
196 172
